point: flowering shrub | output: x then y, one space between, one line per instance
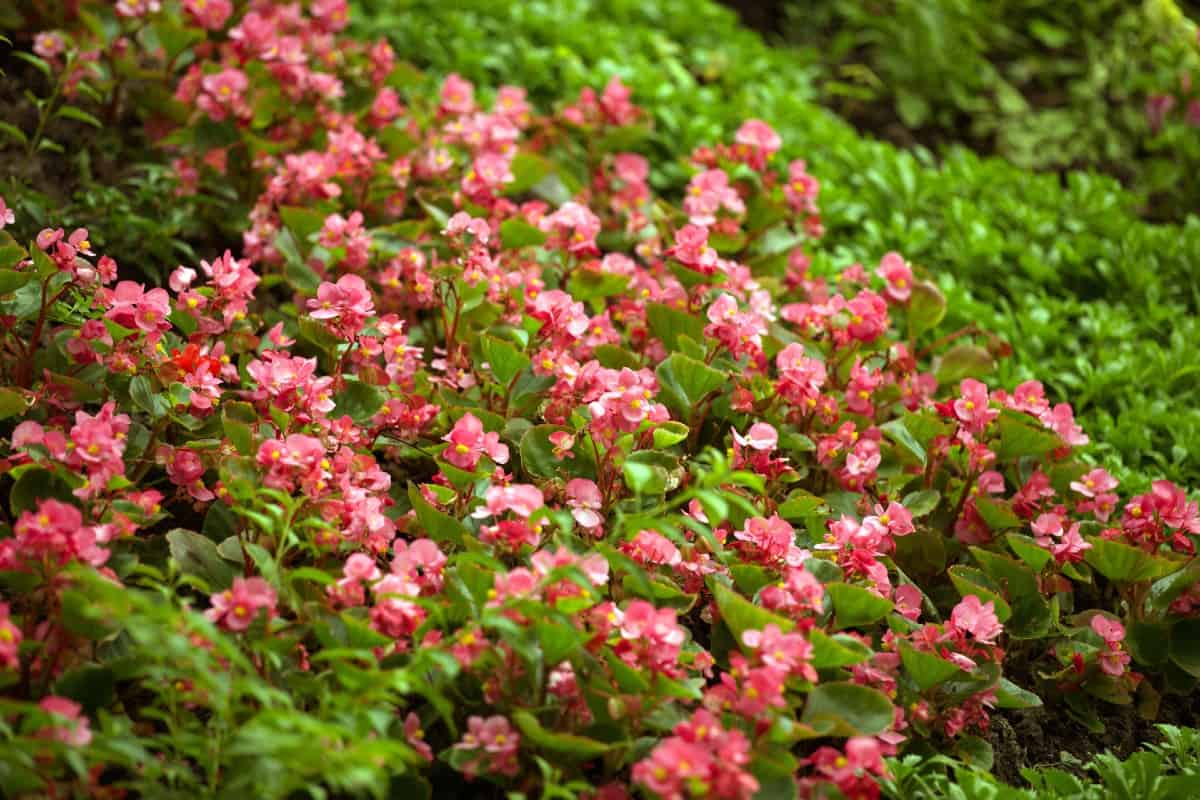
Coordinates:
485 465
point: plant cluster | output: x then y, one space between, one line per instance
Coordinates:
1046 86
1097 303
488 466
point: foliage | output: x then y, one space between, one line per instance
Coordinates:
1045 85
1029 257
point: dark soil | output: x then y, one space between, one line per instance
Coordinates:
1038 737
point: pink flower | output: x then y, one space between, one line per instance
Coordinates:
896 518
701 758
209 14
346 305
908 601
468 442
10 640
1113 660
521 498
1094 482
650 548
6 214
691 249
76 731
758 140
978 619
458 95
972 409
585 501
761 436
236 608
788 652
415 736
898 274
131 306
494 746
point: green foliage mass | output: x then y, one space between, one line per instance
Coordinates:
1096 302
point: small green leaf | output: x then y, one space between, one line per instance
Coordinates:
921 503
926 308
1020 435
899 433
440 526
359 400
855 606
516 233
964 361
685 382
852 709
505 360
669 324
566 745
1124 563
12 403
197 555
79 115
928 669
740 615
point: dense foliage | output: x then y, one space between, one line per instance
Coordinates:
519 450
1098 304
1105 84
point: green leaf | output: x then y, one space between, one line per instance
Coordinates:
852 710
538 459
92 686
12 403
11 279
197 555
505 360
1148 642
303 224
359 400
1020 436
669 324
685 382
1009 695
516 233
668 434
13 132
928 669
567 745
975 752
1029 551
35 485
1124 563
1031 612
832 652
141 391
1164 591
922 503
855 606
799 505
998 516
964 361
740 615
644 479
926 308
440 526
968 580
900 434
41 65
1185 646
79 115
